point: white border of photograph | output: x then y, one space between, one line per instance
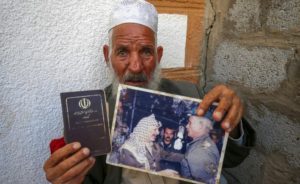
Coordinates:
120 88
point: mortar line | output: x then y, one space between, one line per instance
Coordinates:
204 68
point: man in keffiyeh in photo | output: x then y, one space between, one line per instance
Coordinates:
140 143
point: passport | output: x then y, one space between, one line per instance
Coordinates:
86 120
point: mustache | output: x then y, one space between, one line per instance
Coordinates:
132 77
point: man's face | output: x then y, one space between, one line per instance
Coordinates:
194 128
134 56
168 135
154 132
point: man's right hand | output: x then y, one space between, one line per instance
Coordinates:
68 164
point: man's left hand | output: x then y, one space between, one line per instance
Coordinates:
229 103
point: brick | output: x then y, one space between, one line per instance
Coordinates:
258 68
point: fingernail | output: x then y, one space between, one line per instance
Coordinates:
218 115
92 159
200 112
76 145
86 151
226 125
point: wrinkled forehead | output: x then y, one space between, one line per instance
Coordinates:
132 32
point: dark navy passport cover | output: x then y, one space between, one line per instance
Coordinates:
86 120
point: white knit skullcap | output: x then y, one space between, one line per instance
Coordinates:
134 11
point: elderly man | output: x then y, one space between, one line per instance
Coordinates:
134 58
202 156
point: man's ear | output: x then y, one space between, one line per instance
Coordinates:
106 53
160 51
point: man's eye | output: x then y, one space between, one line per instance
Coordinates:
147 52
122 52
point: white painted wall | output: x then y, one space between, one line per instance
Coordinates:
48 47
172 30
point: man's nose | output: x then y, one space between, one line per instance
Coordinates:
135 63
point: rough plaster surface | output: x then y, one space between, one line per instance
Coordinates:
253 47
249 171
278 170
46 47
258 68
284 15
264 168
172 31
277 15
282 137
245 15
276 157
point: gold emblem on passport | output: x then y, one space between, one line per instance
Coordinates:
86 120
84 103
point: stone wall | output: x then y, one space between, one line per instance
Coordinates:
254 47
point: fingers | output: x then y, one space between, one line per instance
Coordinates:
61 154
67 164
93 161
209 98
223 106
222 94
80 178
76 174
234 115
228 102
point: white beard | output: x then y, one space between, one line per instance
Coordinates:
152 84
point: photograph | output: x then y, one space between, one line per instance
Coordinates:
160 133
